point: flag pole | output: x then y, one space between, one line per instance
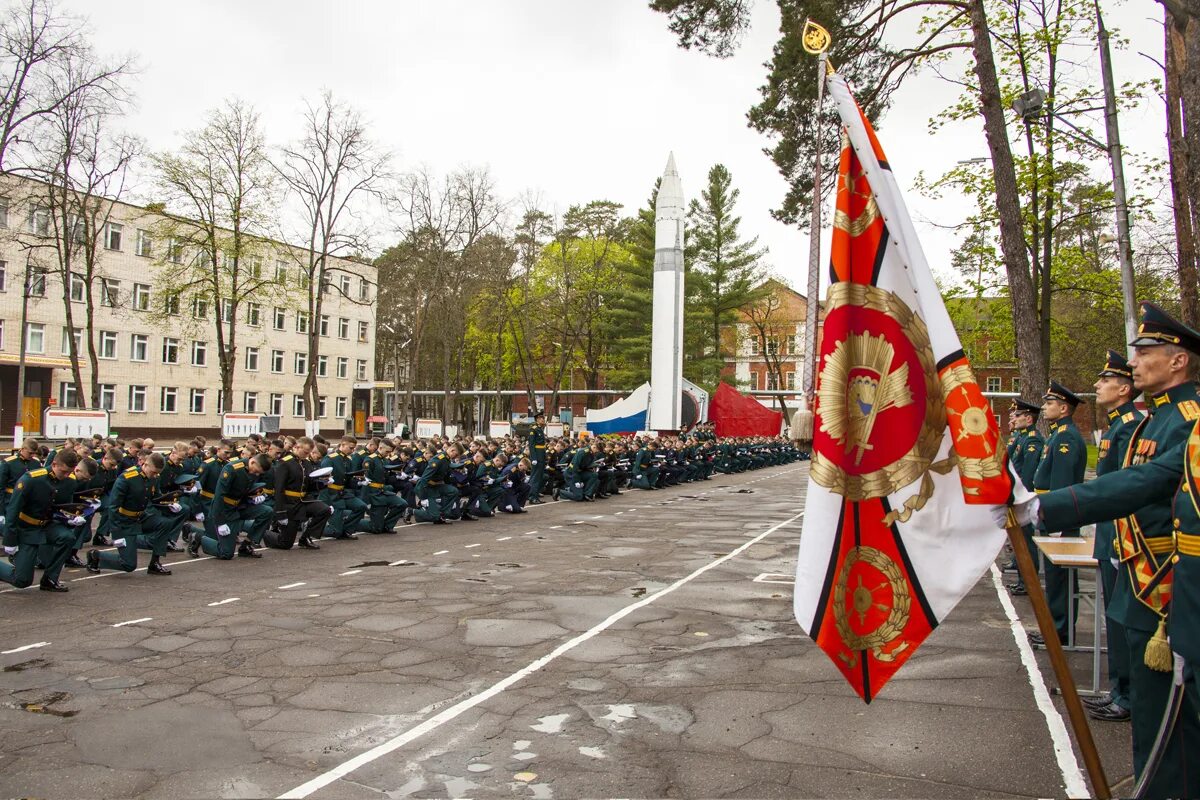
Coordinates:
1058 659
815 41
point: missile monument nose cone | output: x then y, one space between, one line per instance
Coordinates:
670 190
670 170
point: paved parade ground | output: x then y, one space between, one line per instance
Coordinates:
638 646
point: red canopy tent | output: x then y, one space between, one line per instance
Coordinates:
738 415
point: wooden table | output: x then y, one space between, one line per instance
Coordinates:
1075 553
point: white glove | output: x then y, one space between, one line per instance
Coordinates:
579 486
281 522
119 542
10 551
1 520
535 462
1116 562
489 481
76 521
999 515
191 489
223 530
95 504
199 516
424 504
1026 506
327 480
175 508
258 499
508 484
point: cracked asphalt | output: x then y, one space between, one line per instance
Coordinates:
641 646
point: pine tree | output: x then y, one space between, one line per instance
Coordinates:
629 311
725 274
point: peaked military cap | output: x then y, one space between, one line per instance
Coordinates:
1115 366
185 478
1059 392
1025 407
1159 327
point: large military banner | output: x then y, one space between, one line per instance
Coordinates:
906 452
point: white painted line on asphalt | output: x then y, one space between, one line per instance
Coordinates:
529 533
469 546
23 648
454 711
132 622
503 538
1073 782
619 513
350 572
552 527
599 516
579 521
226 600
292 585
171 564
773 577
441 552
401 563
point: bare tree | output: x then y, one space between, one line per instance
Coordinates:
220 192
45 63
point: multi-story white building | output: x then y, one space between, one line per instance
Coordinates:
158 370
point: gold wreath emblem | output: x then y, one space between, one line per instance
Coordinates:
864 600
814 38
857 384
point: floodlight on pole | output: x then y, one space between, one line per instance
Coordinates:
1029 104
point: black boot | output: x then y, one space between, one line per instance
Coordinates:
308 544
74 560
48 585
193 548
246 550
93 561
156 567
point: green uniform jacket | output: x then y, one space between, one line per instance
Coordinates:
233 486
1110 455
1184 624
376 476
30 508
436 472
1064 458
341 465
130 495
12 468
1142 490
537 445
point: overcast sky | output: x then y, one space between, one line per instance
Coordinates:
571 100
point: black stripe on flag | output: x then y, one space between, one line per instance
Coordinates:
827 588
947 360
912 573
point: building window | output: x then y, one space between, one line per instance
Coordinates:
137 399
280 321
341 408
301 322
297 405
255 267
1016 384
364 328
168 400
37 281
3 276
364 290
145 244
39 221
226 311
301 363
773 345
141 297
171 305
199 354
77 288
196 401
250 403
754 345
277 361
276 405
108 344
322 366
791 380
772 382
343 367
360 372
993 384
322 407
68 335
343 328
1 334
66 395
170 352
112 237
252 359
110 292
139 346
199 307
35 337
344 284
280 272
108 396
3 212
324 327
254 314
175 251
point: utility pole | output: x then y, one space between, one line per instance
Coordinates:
19 426
1124 244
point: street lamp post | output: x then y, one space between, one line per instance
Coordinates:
19 426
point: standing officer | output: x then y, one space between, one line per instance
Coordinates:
1140 497
130 502
1025 462
537 458
31 528
1064 460
1114 394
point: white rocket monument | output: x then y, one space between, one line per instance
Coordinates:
666 333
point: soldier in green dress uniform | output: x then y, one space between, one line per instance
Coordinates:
435 497
1141 497
237 507
1025 464
31 526
386 508
537 458
131 501
348 509
1063 463
1114 394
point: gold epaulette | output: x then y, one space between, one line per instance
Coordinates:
1127 417
37 473
1190 410
130 473
238 465
288 457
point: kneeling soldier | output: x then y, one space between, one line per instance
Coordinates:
30 526
130 502
296 506
236 507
